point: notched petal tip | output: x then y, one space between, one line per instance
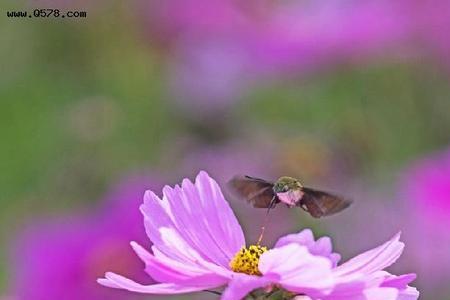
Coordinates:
203 173
400 282
149 197
203 177
397 236
140 251
168 190
107 283
411 276
186 183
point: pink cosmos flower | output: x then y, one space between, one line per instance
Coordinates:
60 259
425 186
199 245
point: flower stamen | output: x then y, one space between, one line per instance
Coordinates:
246 260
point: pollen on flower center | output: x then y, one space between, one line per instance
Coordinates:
246 260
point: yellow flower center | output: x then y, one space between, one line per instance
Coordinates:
246 260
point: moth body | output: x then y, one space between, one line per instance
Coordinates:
291 198
288 190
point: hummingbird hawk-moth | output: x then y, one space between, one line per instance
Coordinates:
265 194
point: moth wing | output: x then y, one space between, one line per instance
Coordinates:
256 191
319 204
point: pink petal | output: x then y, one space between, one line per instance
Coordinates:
373 260
117 281
379 294
410 293
296 269
305 238
164 269
215 205
242 284
375 293
163 233
182 256
399 282
210 267
192 224
201 217
108 283
155 217
355 284
345 290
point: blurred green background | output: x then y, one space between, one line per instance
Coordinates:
84 101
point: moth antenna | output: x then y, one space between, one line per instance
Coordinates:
266 219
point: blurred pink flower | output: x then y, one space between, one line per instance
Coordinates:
61 259
431 21
198 245
210 73
425 188
219 49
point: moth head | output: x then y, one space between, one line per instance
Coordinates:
285 184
